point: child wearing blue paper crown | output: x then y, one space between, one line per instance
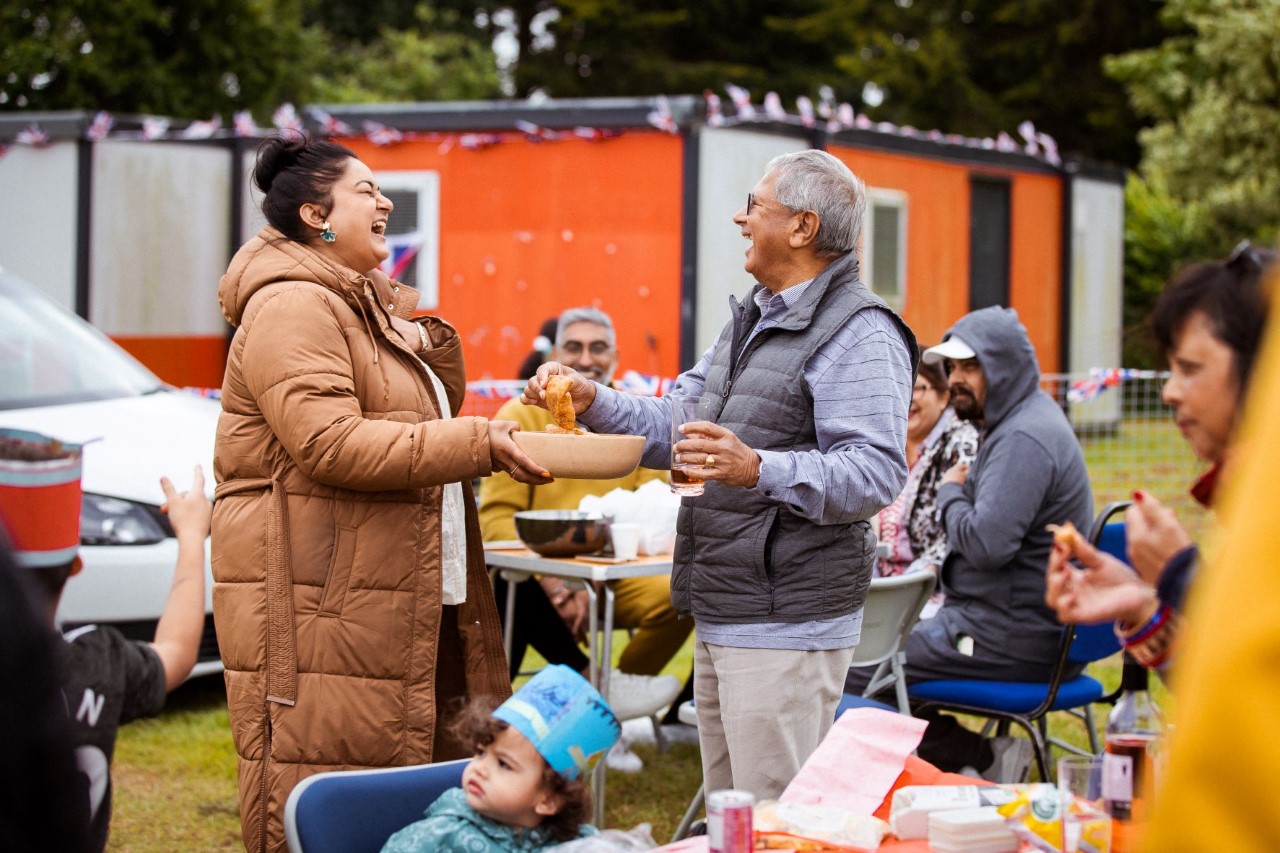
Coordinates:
525 788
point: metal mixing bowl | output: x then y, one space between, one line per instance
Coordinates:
562 532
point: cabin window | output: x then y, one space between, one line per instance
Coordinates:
413 232
884 246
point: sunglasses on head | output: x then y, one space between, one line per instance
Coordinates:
1244 251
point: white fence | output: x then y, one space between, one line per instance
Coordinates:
1129 437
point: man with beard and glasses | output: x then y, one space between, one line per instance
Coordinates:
551 617
1029 472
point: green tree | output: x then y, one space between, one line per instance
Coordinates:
670 46
1213 91
966 66
1161 234
197 58
435 59
359 22
190 59
981 66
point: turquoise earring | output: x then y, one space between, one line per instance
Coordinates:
328 234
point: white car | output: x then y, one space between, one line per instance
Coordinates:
62 377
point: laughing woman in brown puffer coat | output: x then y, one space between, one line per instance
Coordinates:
351 599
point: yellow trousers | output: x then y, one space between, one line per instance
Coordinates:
644 606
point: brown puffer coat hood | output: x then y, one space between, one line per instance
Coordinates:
331 459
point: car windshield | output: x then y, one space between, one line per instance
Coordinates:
49 356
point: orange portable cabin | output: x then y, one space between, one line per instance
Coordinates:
509 212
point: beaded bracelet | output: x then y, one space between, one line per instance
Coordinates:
1151 644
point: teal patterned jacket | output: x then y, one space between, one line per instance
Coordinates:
452 826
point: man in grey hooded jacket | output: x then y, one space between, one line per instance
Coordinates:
1029 473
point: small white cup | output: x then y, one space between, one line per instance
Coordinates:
626 540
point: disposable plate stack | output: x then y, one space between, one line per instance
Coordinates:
980 830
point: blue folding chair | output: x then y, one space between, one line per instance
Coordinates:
1028 704
353 811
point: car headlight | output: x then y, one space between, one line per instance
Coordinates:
112 521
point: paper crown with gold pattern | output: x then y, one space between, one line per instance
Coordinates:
564 717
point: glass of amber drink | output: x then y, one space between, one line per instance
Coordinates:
683 411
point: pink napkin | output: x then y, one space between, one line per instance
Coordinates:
858 761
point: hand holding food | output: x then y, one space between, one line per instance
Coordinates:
560 405
1066 536
1103 589
583 390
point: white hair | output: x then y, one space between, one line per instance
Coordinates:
585 314
815 180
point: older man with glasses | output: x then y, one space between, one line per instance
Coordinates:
803 400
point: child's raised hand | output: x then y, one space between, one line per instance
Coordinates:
189 512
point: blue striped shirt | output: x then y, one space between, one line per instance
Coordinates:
860 381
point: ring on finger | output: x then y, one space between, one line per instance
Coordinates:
711 461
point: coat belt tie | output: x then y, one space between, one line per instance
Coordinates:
282 651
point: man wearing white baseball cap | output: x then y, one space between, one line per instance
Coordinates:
952 349
1029 472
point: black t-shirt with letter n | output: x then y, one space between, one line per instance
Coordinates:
108 681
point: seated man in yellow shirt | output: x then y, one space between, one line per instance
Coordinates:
550 616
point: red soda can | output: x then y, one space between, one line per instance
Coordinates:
729 821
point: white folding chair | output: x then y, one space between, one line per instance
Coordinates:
892 610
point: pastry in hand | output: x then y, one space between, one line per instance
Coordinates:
1065 534
560 404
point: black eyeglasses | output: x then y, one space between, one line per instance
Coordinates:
595 347
752 201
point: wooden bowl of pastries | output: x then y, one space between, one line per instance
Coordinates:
589 456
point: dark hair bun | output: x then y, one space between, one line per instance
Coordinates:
292 171
275 154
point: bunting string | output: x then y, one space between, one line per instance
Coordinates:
834 117
1101 379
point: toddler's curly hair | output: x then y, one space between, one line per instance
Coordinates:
476 725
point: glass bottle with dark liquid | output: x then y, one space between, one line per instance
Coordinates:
1133 728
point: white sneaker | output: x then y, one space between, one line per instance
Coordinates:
622 759
632 696
639 730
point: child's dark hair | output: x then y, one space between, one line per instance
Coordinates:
476 725
293 170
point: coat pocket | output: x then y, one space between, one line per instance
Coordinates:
338 577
